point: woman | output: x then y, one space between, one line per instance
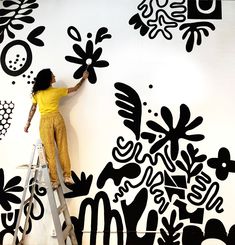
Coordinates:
52 128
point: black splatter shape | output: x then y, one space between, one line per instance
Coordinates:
194 32
131 108
138 23
80 187
101 35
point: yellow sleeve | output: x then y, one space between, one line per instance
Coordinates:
34 100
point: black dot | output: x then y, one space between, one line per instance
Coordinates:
14 68
150 86
28 76
10 61
31 72
21 65
149 111
155 114
145 103
160 136
24 75
13 82
17 55
32 82
28 82
89 35
23 59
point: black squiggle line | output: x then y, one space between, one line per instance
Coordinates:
149 183
202 187
144 7
136 151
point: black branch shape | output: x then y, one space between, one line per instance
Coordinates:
131 108
194 32
13 14
190 159
170 234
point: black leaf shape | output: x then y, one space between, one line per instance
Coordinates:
5 12
131 109
170 234
7 4
34 33
17 26
190 159
26 19
30 1
74 33
101 35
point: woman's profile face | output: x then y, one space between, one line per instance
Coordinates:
53 78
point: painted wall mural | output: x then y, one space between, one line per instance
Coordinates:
162 17
159 170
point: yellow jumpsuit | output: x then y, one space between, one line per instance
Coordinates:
52 129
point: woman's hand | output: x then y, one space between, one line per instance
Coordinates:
26 127
85 75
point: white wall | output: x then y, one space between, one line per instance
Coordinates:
203 79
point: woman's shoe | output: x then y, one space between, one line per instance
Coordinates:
68 181
54 185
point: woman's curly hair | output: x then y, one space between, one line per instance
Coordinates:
42 80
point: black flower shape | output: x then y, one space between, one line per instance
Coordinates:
84 57
6 197
222 164
173 134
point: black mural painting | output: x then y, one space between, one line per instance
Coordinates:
87 58
173 175
162 17
165 177
13 17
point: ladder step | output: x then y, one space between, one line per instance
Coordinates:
67 230
61 208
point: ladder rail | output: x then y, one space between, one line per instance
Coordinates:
24 194
42 169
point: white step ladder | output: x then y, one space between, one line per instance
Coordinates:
40 170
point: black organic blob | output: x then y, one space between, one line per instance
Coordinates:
194 32
6 195
27 60
32 37
223 164
131 107
80 187
131 171
214 229
15 13
132 214
173 134
109 216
